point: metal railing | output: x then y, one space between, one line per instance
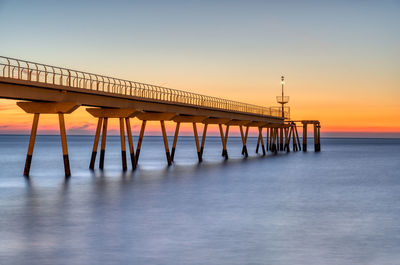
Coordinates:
42 73
282 100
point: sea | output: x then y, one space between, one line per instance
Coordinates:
339 206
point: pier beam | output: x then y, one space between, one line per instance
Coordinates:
281 139
37 108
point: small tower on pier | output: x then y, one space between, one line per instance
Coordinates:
282 99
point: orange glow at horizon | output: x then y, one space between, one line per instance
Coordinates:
367 120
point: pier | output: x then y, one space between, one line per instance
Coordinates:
47 89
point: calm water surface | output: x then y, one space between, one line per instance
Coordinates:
340 206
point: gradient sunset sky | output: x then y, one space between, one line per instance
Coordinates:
341 59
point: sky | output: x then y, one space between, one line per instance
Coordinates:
341 59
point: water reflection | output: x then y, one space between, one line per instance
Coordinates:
327 208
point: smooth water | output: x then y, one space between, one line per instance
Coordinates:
340 206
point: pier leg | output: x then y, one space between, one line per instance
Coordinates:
315 138
294 138
261 140
267 143
226 141
31 144
221 131
305 137
139 144
271 138
281 139
64 145
196 138
242 136
319 136
103 143
175 140
203 139
244 140
164 133
123 145
275 140
95 143
130 142
297 137
290 132
287 140
258 144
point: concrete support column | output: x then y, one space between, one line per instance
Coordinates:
164 134
103 143
123 115
315 138
175 140
292 126
96 143
64 145
224 140
123 145
244 140
318 138
275 140
37 108
271 138
196 138
31 144
261 140
130 143
140 140
281 139
304 137
287 148
297 137
203 139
